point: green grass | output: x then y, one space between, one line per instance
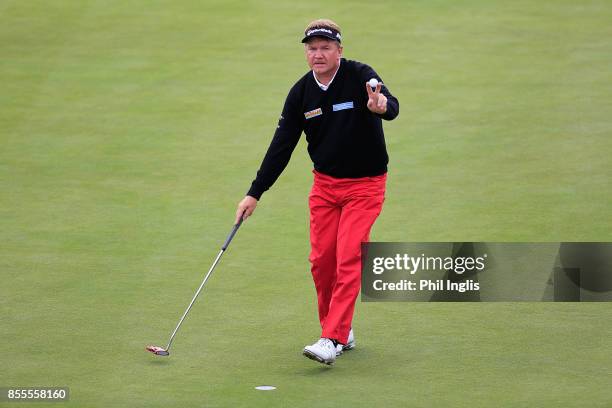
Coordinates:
131 129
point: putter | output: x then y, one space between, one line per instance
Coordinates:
160 351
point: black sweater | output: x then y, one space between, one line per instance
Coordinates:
345 139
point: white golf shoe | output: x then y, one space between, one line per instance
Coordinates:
322 351
350 344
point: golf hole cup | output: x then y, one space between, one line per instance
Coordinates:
265 388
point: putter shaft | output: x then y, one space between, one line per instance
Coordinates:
194 299
223 248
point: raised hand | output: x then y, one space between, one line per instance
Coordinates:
377 102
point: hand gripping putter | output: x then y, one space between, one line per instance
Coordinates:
160 351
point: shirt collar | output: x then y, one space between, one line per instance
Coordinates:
325 87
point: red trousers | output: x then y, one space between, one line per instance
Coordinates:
342 212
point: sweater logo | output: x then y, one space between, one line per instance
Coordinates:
342 106
311 114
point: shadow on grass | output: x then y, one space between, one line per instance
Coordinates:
159 361
322 369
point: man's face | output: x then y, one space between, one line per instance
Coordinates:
323 55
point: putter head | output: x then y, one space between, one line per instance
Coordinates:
158 351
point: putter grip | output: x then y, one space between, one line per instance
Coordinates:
231 235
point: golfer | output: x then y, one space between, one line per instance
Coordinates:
341 117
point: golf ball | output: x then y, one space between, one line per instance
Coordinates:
373 82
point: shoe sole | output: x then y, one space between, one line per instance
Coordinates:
314 357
